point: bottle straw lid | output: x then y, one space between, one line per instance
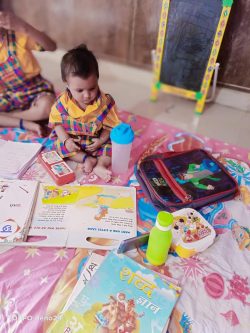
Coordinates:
122 134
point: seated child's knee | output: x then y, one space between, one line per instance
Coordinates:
44 105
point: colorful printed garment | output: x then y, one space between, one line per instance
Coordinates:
83 124
17 92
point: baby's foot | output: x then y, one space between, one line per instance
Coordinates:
103 173
89 164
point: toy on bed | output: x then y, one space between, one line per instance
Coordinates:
57 168
191 233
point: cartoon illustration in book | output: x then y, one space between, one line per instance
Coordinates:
118 316
50 193
65 193
104 202
58 194
130 323
106 199
197 172
106 317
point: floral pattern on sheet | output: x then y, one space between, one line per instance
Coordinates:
35 282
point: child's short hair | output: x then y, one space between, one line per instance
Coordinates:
79 62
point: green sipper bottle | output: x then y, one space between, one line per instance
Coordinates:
160 239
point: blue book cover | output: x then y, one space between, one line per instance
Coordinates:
122 297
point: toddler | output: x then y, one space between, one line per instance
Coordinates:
83 116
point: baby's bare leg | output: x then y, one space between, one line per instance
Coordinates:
101 169
88 163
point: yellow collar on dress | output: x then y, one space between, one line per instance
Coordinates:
75 111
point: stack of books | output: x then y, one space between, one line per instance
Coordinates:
116 294
16 158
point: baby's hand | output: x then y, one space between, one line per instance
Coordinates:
71 145
96 143
10 21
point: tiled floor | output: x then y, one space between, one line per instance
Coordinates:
130 87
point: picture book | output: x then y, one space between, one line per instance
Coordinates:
17 200
88 216
89 269
122 296
17 158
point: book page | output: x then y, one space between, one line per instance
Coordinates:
17 198
104 215
50 220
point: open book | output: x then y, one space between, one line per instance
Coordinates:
122 296
87 216
16 158
17 201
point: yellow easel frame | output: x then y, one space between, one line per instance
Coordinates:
199 96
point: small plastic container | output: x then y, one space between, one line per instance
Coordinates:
191 233
122 137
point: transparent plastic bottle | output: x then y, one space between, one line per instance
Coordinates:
160 239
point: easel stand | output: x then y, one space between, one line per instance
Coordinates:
175 70
216 71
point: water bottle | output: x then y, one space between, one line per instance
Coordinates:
122 137
160 239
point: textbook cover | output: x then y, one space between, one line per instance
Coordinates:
121 297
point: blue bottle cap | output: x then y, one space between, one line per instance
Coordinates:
122 134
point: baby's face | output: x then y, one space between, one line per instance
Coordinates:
84 91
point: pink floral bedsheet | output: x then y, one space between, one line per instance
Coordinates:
35 282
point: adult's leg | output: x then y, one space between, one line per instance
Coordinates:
39 110
7 121
101 169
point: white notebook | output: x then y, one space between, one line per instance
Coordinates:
17 158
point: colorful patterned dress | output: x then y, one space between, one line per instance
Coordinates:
83 124
19 89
